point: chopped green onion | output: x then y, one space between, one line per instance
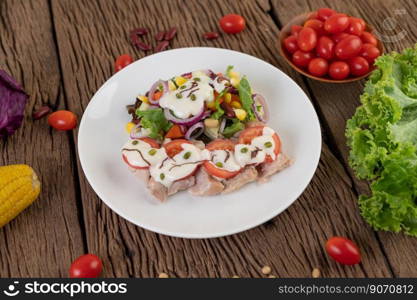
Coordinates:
244 150
135 142
187 155
219 164
152 152
268 144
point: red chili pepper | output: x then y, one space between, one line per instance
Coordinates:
161 46
170 34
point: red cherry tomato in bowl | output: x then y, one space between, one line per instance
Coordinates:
122 61
339 70
356 26
368 37
62 120
343 250
307 39
302 59
370 52
86 266
358 66
348 47
324 13
232 23
318 67
325 47
339 36
290 44
295 30
317 25
336 23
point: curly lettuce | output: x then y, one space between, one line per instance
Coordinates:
154 120
382 136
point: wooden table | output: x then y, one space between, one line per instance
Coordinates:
62 51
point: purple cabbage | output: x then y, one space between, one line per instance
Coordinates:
12 104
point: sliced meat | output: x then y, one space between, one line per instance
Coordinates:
158 190
205 185
142 174
267 169
255 123
181 185
249 174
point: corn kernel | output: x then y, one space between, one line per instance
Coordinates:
144 106
236 104
234 74
143 99
211 123
235 82
240 114
211 104
129 127
228 98
179 80
171 86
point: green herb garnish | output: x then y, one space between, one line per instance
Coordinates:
187 155
135 142
155 121
162 176
244 150
268 144
245 96
193 97
219 164
152 152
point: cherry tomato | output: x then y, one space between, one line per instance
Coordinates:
356 26
232 23
370 52
295 30
360 20
336 23
358 66
339 70
290 44
348 47
174 147
312 16
301 59
247 135
151 142
317 25
368 37
343 250
214 170
122 61
307 39
86 266
62 120
324 13
325 47
318 66
339 36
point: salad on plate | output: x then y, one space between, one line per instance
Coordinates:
204 132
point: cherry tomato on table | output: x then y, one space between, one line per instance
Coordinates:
358 66
62 120
348 47
325 47
318 67
290 44
336 23
324 13
370 52
368 37
302 59
86 266
212 169
232 23
343 250
247 135
122 61
356 26
339 70
307 39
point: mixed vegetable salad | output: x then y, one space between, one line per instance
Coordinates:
199 105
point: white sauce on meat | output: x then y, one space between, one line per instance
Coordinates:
140 154
243 155
225 160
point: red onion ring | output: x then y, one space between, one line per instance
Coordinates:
209 73
187 122
154 88
260 100
222 125
136 132
197 126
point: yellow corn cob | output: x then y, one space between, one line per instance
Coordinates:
19 187
143 99
228 98
179 80
236 104
240 114
129 127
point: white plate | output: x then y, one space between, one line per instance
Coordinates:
101 136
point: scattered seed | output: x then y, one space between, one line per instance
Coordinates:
272 276
163 275
152 152
135 142
182 87
187 155
170 34
268 144
142 46
161 46
160 35
219 164
197 79
178 95
140 31
193 97
244 150
315 273
266 270
41 112
211 35
162 176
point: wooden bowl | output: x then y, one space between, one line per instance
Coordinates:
299 20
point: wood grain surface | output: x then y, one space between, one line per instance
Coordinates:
64 51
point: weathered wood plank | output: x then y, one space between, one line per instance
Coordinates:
337 102
292 243
46 237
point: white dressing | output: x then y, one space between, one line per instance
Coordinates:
248 155
266 142
140 154
224 159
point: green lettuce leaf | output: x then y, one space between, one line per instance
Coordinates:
230 130
155 121
245 96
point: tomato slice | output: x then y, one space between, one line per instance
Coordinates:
174 147
247 135
220 144
151 142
